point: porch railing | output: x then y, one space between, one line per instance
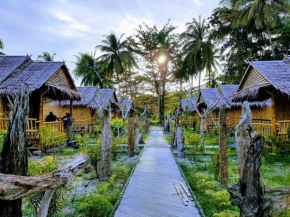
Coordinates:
265 129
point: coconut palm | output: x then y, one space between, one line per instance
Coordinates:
212 63
46 56
115 54
89 69
1 46
197 49
264 13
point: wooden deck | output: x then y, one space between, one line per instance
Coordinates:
151 191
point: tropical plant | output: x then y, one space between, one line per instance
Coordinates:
46 56
265 14
115 54
51 137
197 51
88 68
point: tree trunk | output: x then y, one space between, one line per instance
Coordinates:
223 157
14 153
173 139
138 135
131 140
242 135
202 132
270 42
105 164
180 142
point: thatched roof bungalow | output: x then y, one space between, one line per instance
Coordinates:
45 80
84 110
269 80
126 106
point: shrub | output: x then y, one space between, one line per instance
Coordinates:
227 213
51 137
115 124
95 205
33 201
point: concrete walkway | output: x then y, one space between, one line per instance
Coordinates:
151 191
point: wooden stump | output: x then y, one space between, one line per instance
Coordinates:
180 142
14 153
249 194
105 164
223 156
131 141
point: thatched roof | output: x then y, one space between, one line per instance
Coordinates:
87 93
188 104
103 97
265 75
208 96
92 97
53 76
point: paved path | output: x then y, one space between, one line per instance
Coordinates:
151 192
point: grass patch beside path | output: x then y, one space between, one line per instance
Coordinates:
213 199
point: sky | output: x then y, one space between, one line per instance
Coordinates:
67 27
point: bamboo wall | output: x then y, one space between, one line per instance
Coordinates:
282 108
82 115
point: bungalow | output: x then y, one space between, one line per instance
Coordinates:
84 110
45 80
269 80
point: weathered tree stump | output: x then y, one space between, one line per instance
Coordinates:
105 164
14 153
249 194
131 140
173 141
223 156
180 142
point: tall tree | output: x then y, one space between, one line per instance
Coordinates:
159 50
46 56
264 13
197 49
115 54
88 68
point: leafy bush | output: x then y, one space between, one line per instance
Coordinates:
93 151
51 136
95 205
33 201
227 213
116 147
192 141
115 124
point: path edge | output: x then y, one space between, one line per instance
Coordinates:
126 185
198 206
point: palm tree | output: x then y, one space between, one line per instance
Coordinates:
264 13
212 63
89 69
211 80
46 56
1 46
115 53
197 49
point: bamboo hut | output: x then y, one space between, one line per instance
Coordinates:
269 80
186 106
260 109
84 110
45 80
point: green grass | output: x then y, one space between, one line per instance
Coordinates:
274 175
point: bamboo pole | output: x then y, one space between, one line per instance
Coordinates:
273 111
40 117
71 108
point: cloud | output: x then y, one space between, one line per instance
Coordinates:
197 2
72 26
130 23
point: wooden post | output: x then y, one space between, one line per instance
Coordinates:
223 158
180 142
40 117
131 141
273 111
71 107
